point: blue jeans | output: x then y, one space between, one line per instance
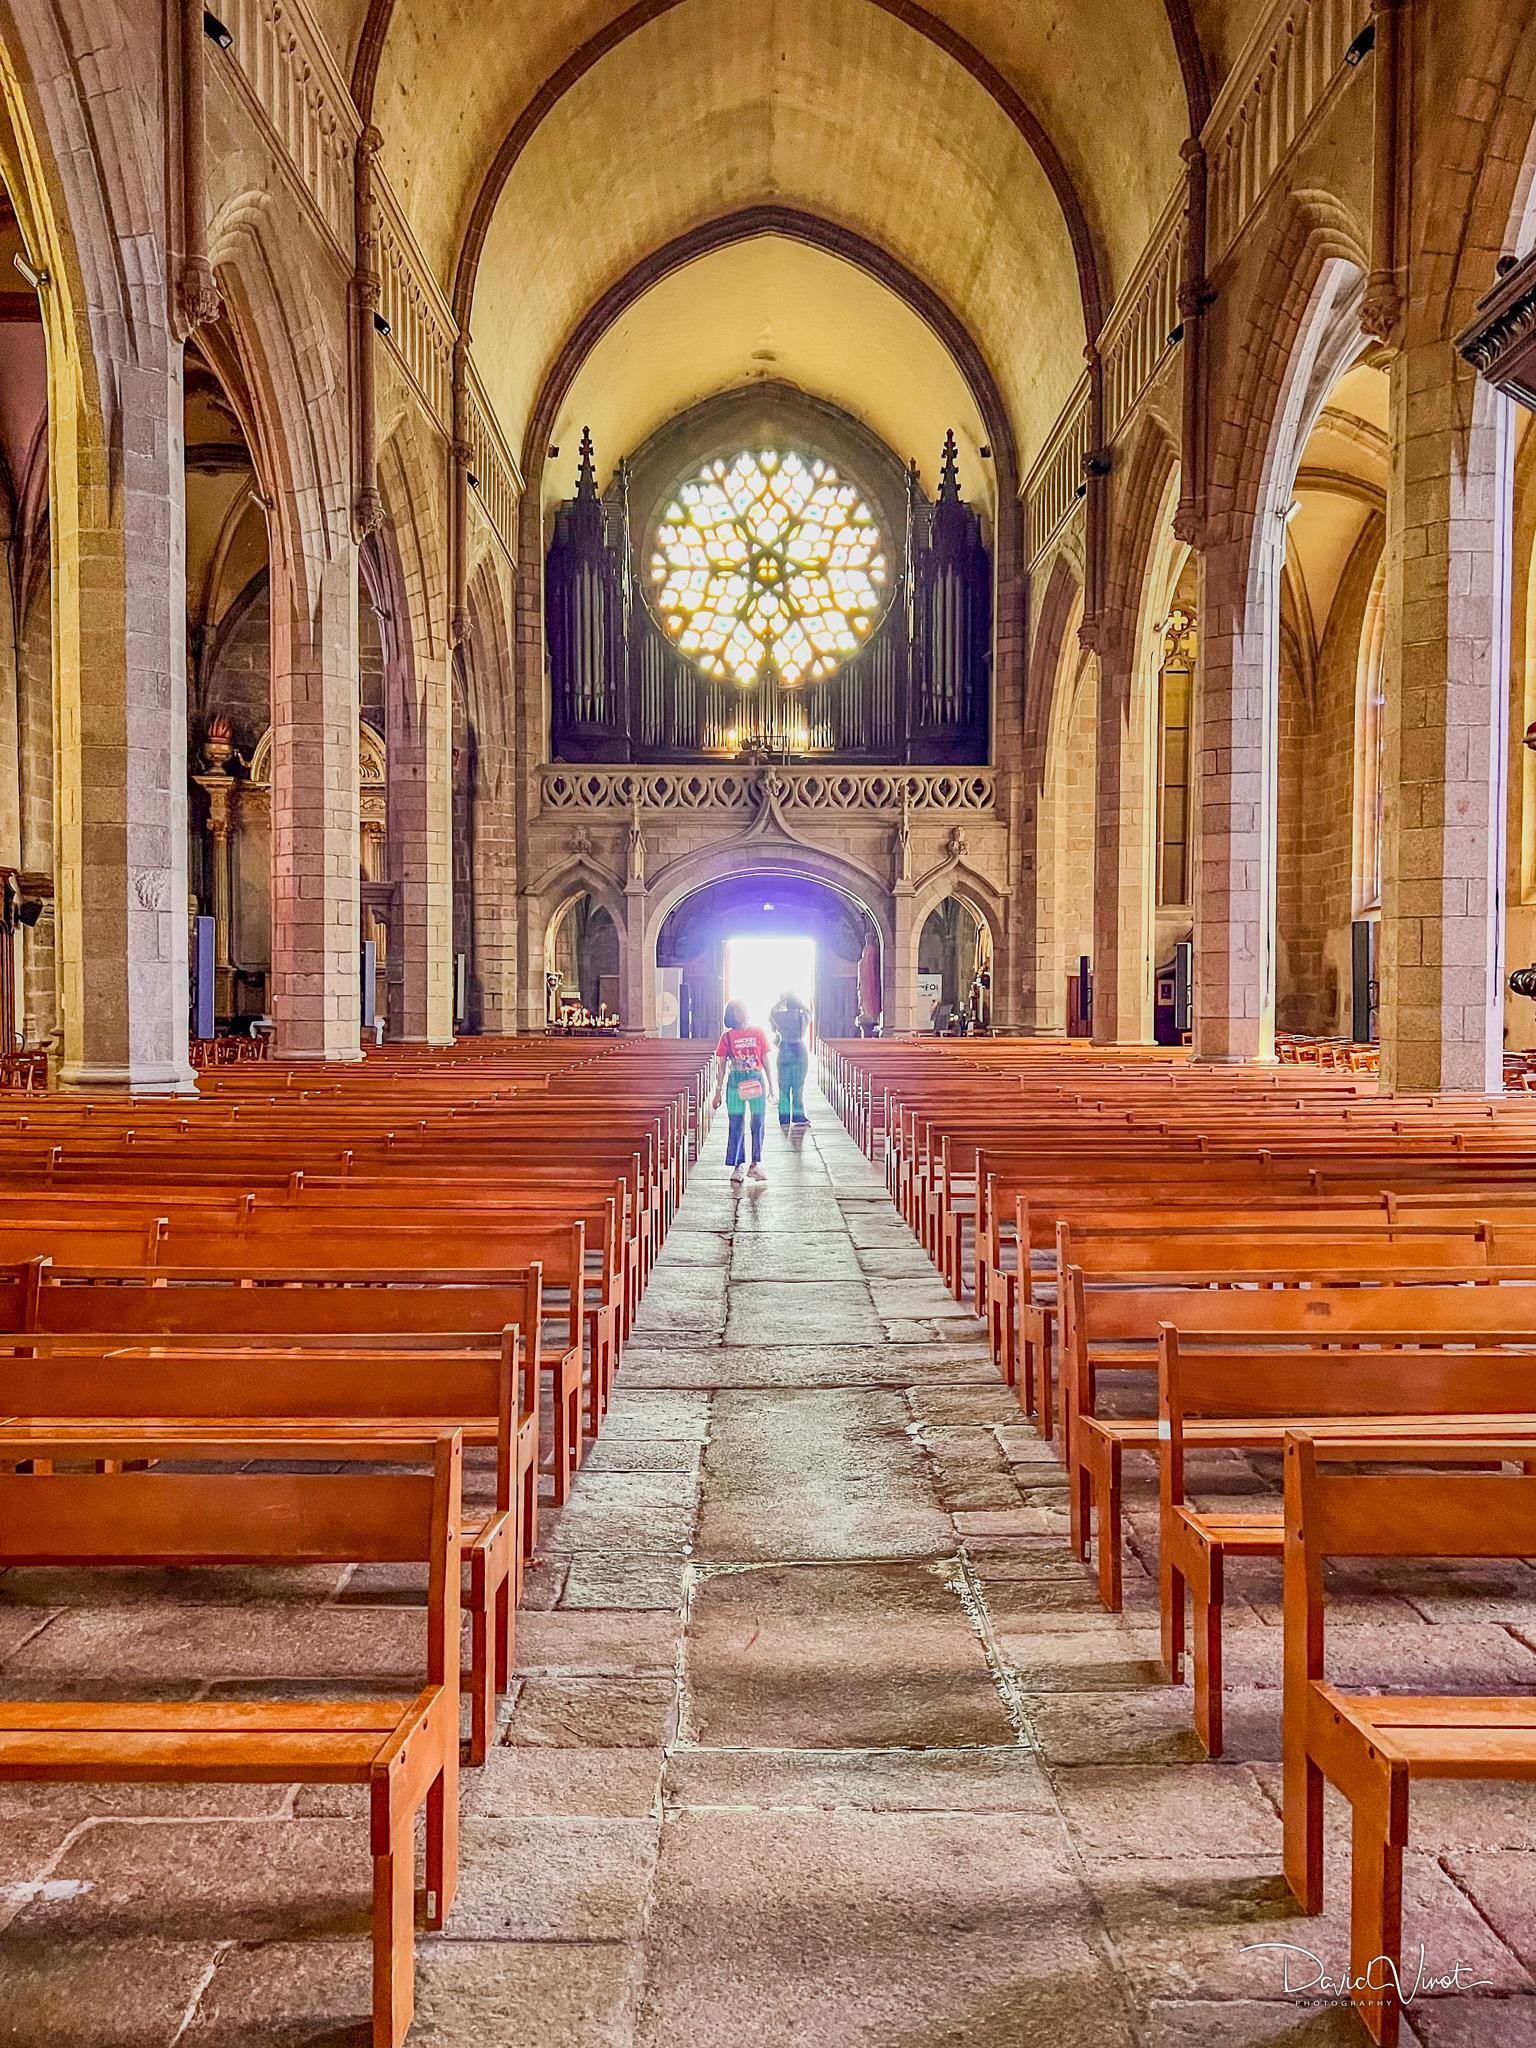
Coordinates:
792 1066
735 1140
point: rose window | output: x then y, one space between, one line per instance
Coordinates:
769 566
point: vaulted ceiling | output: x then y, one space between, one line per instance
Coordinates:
772 311
1012 156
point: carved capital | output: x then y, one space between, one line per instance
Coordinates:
198 298
1188 527
369 290
458 625
1381 307
367 513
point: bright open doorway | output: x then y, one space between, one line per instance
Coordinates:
759 970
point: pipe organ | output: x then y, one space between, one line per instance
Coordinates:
916 690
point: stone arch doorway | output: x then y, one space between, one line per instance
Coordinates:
693 935
954 968
582 960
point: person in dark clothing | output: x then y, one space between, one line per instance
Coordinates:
791 1022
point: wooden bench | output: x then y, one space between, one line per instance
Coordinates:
406 1753
67 1388
1373 1747
1226 1391
1286 1382
459 1306
1110 1322
279 1248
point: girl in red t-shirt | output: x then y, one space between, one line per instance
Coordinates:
742 1078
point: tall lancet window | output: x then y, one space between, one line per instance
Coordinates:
1371 747
769 567
1175 697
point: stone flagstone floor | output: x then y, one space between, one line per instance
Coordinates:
819 1737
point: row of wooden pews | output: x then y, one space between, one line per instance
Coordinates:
360 1317
1173 1260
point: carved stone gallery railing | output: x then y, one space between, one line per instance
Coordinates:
289 72
1055 484
868 792
1138 334
1291 65
288 75
421 324
498 478
1272 95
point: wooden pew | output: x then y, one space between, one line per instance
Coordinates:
1112 1321
1229 1391
1374 1747
459 1308
407 1754
56 1388
1289 1381
282 1242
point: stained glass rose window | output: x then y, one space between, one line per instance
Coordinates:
769 565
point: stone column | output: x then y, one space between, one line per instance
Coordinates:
639 979
315 823
1122 877
495 899
1233 849
218 785
901 965
421 853
120 685
1449 508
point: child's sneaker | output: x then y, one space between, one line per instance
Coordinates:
757 1173
738 1172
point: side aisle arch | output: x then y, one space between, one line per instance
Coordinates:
119 783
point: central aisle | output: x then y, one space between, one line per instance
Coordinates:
806 1650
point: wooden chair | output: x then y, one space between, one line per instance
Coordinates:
407 1754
